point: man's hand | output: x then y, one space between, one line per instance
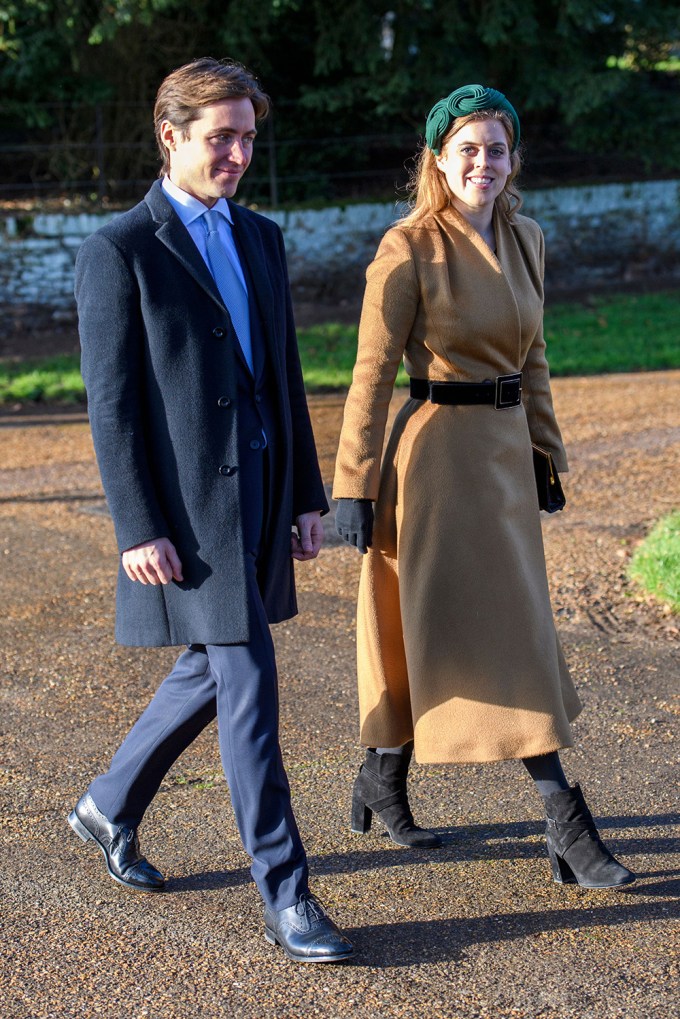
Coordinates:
153 562
307 542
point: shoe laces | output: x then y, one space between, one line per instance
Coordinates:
125 837
307 904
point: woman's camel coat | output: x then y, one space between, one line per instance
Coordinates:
456 642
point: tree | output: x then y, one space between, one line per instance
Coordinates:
595 76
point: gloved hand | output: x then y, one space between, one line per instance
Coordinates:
354 522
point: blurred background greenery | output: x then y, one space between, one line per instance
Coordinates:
595 82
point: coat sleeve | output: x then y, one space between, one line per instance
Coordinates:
308 491
389 310
537 397
112 365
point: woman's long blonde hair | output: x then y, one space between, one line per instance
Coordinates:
429 191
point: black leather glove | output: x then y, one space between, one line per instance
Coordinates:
354 522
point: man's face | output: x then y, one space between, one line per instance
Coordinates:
209 161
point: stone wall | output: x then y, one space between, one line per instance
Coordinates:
609 234
595 236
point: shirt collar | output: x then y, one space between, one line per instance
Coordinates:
189 208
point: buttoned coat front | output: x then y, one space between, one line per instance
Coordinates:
456 642
158 360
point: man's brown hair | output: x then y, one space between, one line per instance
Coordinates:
204 82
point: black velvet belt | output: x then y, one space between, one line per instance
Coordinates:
505 391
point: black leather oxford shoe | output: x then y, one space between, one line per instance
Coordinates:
118 843
306 933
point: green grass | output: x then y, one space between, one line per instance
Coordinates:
625 333
656 562
45 380
327 353
613 334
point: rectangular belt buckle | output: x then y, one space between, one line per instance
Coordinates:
508 391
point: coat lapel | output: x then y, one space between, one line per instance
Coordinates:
476 268
173 234
493 276
249 240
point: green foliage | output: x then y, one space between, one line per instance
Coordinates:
44 380
656 562
583 75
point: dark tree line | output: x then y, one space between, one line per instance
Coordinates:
594 78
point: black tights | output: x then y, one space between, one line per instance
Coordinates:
547 773
546 770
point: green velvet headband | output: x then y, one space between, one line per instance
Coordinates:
465 100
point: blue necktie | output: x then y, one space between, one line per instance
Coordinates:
230 286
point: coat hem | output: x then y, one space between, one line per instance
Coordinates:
492 758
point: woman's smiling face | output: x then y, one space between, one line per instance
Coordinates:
476 164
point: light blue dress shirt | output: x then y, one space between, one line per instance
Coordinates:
190 210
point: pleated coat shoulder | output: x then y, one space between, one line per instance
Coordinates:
161 380
457 647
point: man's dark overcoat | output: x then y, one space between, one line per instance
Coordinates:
159 364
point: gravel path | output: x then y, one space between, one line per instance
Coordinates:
475 929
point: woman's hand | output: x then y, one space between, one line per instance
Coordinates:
354 522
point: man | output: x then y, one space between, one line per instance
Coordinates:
207 458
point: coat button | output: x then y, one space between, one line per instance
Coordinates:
227 471
223 401
258 398
219 332
255 443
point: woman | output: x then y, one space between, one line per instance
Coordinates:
457 649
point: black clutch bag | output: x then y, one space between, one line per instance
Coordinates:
550 495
